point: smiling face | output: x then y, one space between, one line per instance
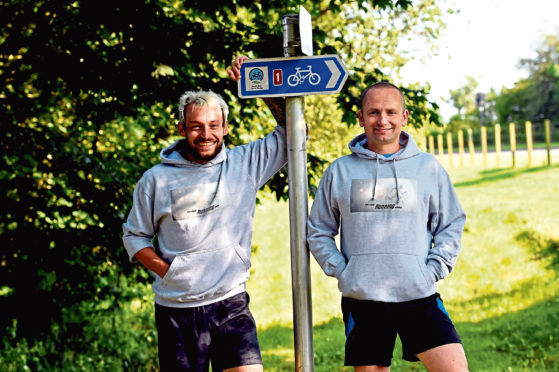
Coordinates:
204 130
383 116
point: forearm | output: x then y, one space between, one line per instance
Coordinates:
277 107
152 261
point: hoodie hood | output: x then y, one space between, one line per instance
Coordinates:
173 155
358 146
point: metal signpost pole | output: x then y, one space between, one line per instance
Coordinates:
293 76
298 210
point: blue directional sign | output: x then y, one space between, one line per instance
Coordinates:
293 76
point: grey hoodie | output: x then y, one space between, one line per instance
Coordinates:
399 219
202 217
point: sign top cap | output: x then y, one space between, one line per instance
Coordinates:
305 31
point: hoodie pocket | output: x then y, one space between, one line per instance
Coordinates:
385 277
204 274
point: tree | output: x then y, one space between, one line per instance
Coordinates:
535 97
463 99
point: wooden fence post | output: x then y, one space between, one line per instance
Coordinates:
484 145
461 147
512 131
440 146
529 142
431 145
471 145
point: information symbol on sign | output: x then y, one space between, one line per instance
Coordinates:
278 78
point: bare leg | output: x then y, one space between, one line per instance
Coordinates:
445 358
372 369
249 368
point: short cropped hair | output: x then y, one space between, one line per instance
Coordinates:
202 98
382 84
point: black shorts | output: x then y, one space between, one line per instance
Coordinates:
223 333
371 329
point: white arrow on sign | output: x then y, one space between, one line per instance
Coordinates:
335 74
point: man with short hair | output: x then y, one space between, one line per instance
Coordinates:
199 203
400 225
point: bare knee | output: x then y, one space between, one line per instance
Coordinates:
445 358
371 369
249 368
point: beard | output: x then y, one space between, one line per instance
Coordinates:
188 151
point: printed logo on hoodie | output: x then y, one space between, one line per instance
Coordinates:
197 200
383 195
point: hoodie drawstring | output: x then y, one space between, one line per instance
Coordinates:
375 181
218 184
395 179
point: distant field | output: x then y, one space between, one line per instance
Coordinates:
503 294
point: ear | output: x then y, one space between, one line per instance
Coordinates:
406 115
360 117
180 127
226 128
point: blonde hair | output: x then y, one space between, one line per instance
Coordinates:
202 98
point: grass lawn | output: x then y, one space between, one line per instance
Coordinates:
503 294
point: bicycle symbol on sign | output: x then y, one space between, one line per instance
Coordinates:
300 75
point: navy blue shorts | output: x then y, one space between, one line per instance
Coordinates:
223 333
371 329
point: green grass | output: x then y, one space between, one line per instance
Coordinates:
503 294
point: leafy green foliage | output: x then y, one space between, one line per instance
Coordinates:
463 99
93 336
